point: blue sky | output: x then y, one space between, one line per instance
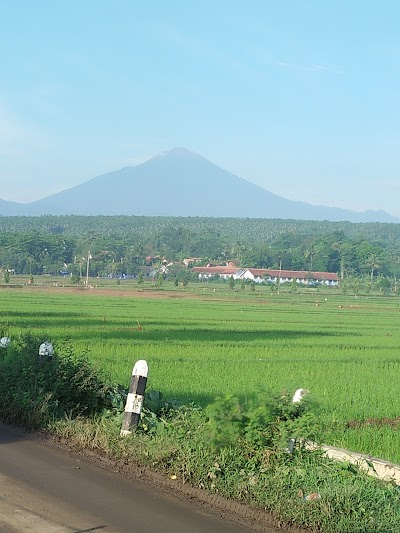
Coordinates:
301 98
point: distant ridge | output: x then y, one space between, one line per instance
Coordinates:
180 183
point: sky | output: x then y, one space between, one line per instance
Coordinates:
300 97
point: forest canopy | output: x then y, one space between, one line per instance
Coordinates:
122 245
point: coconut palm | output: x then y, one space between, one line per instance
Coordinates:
374 264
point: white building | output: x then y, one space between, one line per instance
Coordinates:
260 275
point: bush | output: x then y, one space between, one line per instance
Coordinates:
75 278
34 391
262 421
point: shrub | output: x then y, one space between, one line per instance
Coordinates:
263 421
33 391
75 278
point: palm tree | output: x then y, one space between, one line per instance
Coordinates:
237 251
309 254
373 263
337 246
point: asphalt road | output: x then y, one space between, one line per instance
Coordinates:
44 490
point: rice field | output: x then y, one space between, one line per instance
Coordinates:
202 343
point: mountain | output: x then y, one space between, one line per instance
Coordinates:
181 183
11 208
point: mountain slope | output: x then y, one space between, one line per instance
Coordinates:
181 183
12 208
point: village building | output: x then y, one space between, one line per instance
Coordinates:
189 261
223 272
260 275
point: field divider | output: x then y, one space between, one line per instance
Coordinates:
378 468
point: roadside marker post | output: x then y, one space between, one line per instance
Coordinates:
46 350
134 400
298 396
5 342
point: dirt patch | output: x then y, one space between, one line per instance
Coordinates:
374 422
126 293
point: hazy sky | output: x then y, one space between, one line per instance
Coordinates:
300 97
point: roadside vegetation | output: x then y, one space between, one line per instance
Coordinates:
237 448
205 341
226 364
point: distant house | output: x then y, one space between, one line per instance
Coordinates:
190 260
223 272
260 275
150 259
288 276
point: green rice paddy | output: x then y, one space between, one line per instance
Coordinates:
202 343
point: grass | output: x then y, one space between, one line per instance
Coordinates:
201 343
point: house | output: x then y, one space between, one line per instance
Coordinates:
224 272
288 276
190 260
260 275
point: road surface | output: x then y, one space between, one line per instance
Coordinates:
44 490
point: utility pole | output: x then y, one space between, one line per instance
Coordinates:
89 257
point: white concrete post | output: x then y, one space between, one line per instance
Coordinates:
5 342
134 401
298 396
46 350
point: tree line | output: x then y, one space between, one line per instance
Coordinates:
125 245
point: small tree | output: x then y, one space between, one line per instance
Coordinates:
75 278
6 276
231 283
140 278
185 279
385 285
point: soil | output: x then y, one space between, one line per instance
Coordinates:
127 293
374 422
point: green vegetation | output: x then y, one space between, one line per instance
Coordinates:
35 391
236 447
133 246
204 341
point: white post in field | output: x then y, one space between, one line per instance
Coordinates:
5 342
46 350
